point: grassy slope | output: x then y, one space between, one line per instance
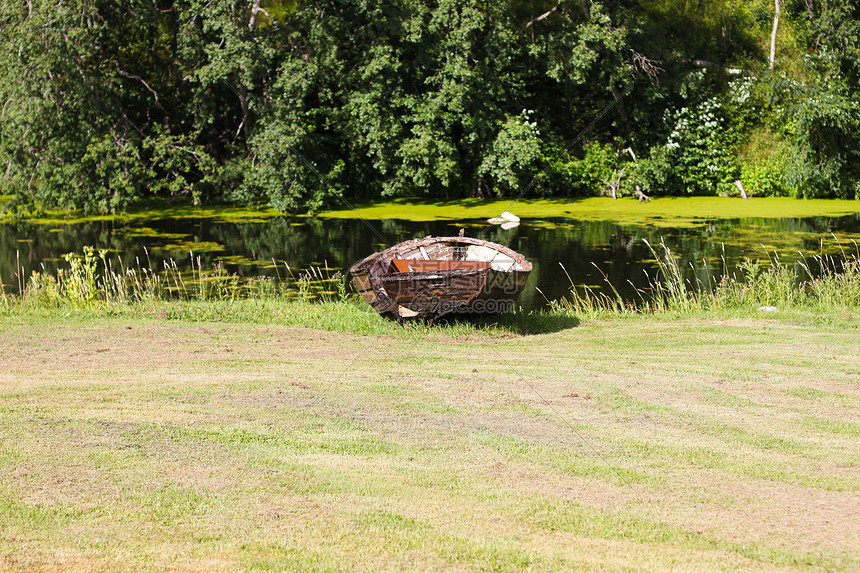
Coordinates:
638 444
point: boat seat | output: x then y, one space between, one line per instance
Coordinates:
420 265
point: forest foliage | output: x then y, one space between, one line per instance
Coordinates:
302 103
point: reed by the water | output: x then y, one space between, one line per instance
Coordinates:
93 280
817 282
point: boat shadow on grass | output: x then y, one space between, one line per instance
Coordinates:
519 323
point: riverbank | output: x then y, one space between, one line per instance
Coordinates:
645 443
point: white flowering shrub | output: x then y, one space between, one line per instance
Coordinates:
696 159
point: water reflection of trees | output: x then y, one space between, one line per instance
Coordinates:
586 249
25 247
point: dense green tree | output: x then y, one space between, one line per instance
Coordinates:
306 103
94 97
450 98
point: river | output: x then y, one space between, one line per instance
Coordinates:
574 249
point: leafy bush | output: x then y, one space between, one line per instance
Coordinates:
697 158
824 125
513 156
764 177
586 175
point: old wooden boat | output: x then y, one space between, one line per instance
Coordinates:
435 276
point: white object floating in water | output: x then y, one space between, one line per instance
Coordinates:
507 220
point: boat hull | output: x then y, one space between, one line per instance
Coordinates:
465 276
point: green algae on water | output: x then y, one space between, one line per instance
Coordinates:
149 232
194 247
661 212
220 214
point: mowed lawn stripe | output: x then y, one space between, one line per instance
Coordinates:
139 443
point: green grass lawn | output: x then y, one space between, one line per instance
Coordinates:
646 443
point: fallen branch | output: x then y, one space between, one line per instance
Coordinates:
643 198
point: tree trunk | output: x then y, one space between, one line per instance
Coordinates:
614 185
773 35
255 10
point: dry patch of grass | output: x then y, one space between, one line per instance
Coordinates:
642 444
